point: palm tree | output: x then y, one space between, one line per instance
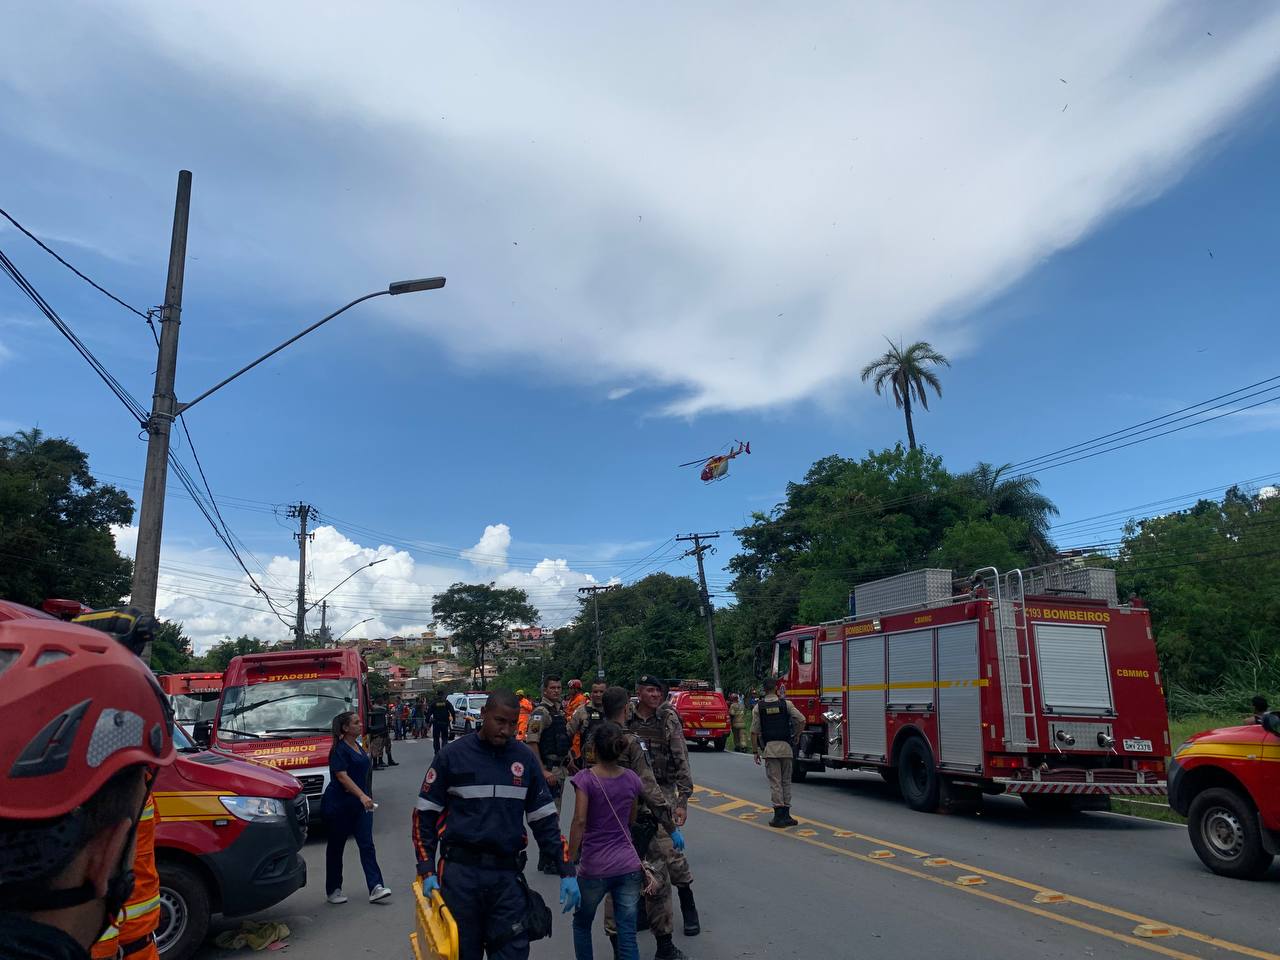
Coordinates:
906 371
1018 497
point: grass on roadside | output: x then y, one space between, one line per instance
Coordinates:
1156 808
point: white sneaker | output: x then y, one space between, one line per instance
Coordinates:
378 894
336 897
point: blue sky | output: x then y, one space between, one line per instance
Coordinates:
657 240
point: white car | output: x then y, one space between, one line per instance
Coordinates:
466 711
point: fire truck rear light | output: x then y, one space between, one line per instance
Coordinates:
1153 766
1007 763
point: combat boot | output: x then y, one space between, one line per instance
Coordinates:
689 911
668 950
787 819
777 820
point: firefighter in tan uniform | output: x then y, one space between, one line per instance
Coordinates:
657 725
548 738
776 725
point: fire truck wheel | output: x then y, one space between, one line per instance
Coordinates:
918 776
1224 832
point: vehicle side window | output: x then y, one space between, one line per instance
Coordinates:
806 649
782 658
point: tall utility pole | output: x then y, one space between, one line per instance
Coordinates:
146 564
699 548
301 512
595 605
324 623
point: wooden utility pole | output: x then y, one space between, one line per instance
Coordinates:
698 549
146 563
301 512
595 606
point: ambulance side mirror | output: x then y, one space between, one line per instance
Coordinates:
202 733
1271 723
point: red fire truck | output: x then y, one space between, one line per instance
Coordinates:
1033 682
278 708
194 695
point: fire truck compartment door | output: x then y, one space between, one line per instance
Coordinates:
911 669
831 673
959 698
1074 677
864 704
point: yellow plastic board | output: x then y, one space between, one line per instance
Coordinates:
436 933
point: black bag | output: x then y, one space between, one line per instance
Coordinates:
535 924
643 831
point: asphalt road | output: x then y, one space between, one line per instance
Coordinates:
859 877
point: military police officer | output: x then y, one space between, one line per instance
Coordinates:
442 715
657 725
583 721
471 811
548 738
776 725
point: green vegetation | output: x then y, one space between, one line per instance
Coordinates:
906 372
478 614
55 525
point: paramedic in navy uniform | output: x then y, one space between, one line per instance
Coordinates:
473 804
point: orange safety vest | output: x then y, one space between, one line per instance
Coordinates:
526 711
141 914
578 700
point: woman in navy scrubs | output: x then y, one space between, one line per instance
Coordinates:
348 810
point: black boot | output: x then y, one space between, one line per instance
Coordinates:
777 820
642 916
689 910
787 819
668 950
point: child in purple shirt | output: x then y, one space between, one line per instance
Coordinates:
600 841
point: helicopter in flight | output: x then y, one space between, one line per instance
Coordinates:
716 466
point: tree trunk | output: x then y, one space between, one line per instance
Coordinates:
906 410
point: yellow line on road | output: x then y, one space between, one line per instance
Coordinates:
996 898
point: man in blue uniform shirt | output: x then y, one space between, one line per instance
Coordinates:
473 805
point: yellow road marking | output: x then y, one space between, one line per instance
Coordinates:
731 805
1204 938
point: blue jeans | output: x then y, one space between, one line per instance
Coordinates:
625 889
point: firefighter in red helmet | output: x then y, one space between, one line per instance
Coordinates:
86 727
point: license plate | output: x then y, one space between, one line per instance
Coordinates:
1138 746
702 733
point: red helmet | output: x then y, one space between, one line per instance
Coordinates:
575 684
76 708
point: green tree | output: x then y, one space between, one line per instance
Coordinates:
906 372
477 615
55 525
171 649
220 654
379 686
1018 498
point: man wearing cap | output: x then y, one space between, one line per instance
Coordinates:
548 737
775 728
657 725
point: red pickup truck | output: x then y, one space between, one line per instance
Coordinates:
1226 782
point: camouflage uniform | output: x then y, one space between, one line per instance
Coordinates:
738 721
541 723
662 737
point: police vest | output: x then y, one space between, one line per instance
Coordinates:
652 735
440 711
554 741
378 720
775 720
594 719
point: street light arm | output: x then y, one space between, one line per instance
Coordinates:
184 407
353 626
371 563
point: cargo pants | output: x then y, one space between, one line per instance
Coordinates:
778 770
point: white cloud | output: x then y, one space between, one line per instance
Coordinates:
731 202
1266 493
617 393
213 599
490 553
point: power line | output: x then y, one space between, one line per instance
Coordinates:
53 253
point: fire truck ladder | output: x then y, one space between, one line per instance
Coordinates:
1016 691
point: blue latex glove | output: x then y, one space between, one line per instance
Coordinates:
677 839
570 895
430 883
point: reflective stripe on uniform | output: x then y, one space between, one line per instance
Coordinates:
547 811
425 804
486 791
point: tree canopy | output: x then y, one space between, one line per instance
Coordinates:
478 614
905 370
55 525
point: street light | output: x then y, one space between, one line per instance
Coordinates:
353 626
371 563
165 407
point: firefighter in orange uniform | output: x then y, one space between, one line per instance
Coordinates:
526 710
132 935
576 698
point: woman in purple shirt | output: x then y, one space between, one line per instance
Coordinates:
600 842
